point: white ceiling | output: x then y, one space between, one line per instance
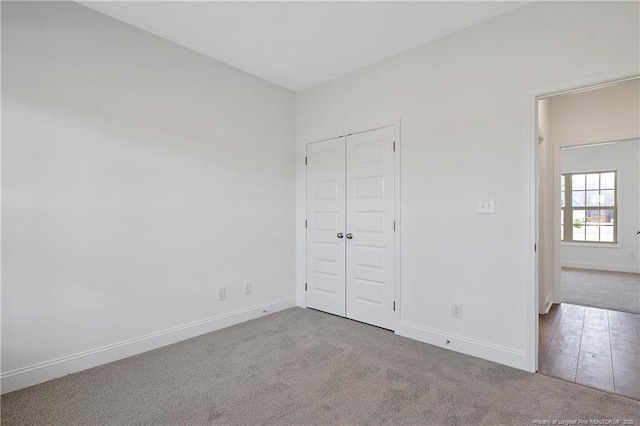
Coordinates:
300 44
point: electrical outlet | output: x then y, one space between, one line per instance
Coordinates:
247 287
222 293
456 310
486 205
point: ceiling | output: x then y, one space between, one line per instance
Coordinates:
300 44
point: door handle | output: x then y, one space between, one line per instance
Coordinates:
349 236
340 235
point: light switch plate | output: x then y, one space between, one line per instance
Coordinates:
486 205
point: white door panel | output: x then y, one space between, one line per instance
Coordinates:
325 220
370 210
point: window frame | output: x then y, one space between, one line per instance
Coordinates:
567 222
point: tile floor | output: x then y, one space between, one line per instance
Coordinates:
594 347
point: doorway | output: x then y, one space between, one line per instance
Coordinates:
588 216
351 225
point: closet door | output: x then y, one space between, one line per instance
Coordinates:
326 226
370 212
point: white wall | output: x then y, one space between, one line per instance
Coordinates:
466 105
623 157
138 176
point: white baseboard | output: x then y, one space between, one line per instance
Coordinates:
39 373
488 351
602 267
547 304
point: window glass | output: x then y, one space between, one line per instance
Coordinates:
607 180
577 182
590 216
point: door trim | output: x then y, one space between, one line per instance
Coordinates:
397 211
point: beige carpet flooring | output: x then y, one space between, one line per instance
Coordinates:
301 367
617 291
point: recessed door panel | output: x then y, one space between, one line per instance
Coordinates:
369 256
372 222
369 292
327 283
325 191
368 187
325 219
326 252
326 160
370 152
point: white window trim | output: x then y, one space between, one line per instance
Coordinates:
617 236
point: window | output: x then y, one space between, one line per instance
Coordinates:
589 207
